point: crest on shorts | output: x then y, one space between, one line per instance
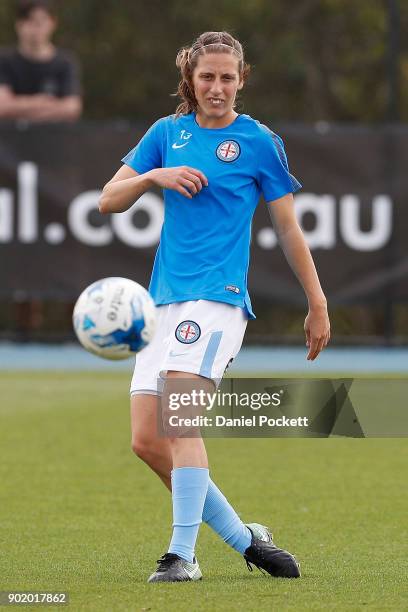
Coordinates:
228 151
188 332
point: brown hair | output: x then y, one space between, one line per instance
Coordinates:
187 59
24 8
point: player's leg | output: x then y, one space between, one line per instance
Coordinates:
189 481
217 511
156 452
205 350
153 449
146 442
218 330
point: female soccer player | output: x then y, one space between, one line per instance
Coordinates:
213 164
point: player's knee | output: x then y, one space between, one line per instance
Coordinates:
140 447
147 450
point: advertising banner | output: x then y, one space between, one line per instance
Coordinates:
54 241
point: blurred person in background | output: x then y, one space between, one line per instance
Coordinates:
38 81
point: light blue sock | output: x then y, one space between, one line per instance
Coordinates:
189 489
221 516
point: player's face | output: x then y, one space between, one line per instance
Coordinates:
216 81
37 29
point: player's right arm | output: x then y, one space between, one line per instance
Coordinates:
127 186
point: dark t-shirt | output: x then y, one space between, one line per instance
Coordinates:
58 76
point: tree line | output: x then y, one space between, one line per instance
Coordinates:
311 60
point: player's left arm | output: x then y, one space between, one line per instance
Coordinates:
297 253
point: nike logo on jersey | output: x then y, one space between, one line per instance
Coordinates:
178 146
183 136
173 354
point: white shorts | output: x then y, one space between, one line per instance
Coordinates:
198 337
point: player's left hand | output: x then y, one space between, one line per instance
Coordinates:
317 330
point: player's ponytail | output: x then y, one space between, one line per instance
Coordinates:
185 89
187 58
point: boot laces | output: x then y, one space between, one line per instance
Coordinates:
166 561
249 566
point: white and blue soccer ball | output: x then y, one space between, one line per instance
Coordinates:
114 318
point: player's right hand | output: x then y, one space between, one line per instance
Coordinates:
187 181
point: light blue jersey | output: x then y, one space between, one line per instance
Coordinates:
204 245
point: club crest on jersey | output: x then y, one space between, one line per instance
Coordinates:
188 332
228 151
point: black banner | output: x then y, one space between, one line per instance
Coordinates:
54 242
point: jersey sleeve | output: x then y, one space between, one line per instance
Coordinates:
274 177
147 154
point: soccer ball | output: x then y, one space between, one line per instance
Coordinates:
114 318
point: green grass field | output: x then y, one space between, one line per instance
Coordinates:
80 513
